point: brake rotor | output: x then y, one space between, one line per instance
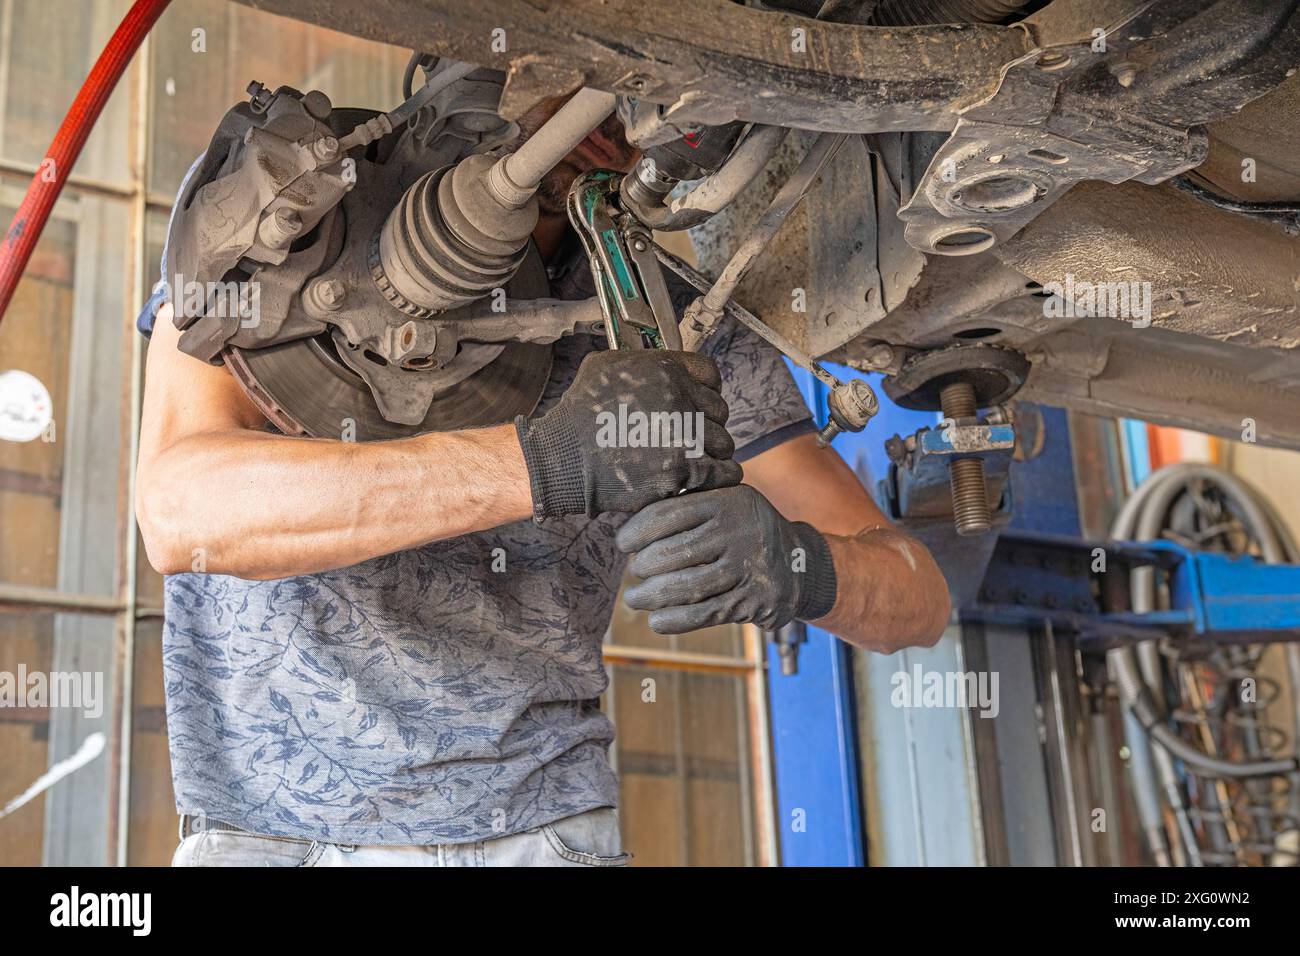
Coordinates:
304 388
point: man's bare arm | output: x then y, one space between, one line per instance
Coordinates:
212 486
891 594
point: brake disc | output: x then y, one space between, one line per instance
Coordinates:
303 387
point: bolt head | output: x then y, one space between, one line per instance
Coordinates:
880 356
862 393
325 148
330 292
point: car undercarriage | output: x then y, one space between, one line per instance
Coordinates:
1086 204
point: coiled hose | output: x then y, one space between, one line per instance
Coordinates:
1135 671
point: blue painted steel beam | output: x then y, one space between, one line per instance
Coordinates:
1215 596
1043 494
815 757
814 730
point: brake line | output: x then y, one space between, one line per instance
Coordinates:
29 221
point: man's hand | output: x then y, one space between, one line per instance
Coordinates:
579 461
725 557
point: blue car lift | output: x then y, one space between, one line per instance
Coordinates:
1083 586
1039 570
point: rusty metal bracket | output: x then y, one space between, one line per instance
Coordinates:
1098 105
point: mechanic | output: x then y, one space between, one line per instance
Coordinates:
390 652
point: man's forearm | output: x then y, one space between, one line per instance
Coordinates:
891 593
258 505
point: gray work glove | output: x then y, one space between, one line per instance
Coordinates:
586 455
725 557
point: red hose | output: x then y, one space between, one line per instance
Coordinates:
29 221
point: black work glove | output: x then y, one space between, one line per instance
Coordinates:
585 455
725 557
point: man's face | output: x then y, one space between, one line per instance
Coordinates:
604 148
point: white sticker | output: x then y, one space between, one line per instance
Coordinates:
25 406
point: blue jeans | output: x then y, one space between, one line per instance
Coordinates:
585 839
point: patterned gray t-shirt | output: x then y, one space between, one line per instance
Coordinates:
426 696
